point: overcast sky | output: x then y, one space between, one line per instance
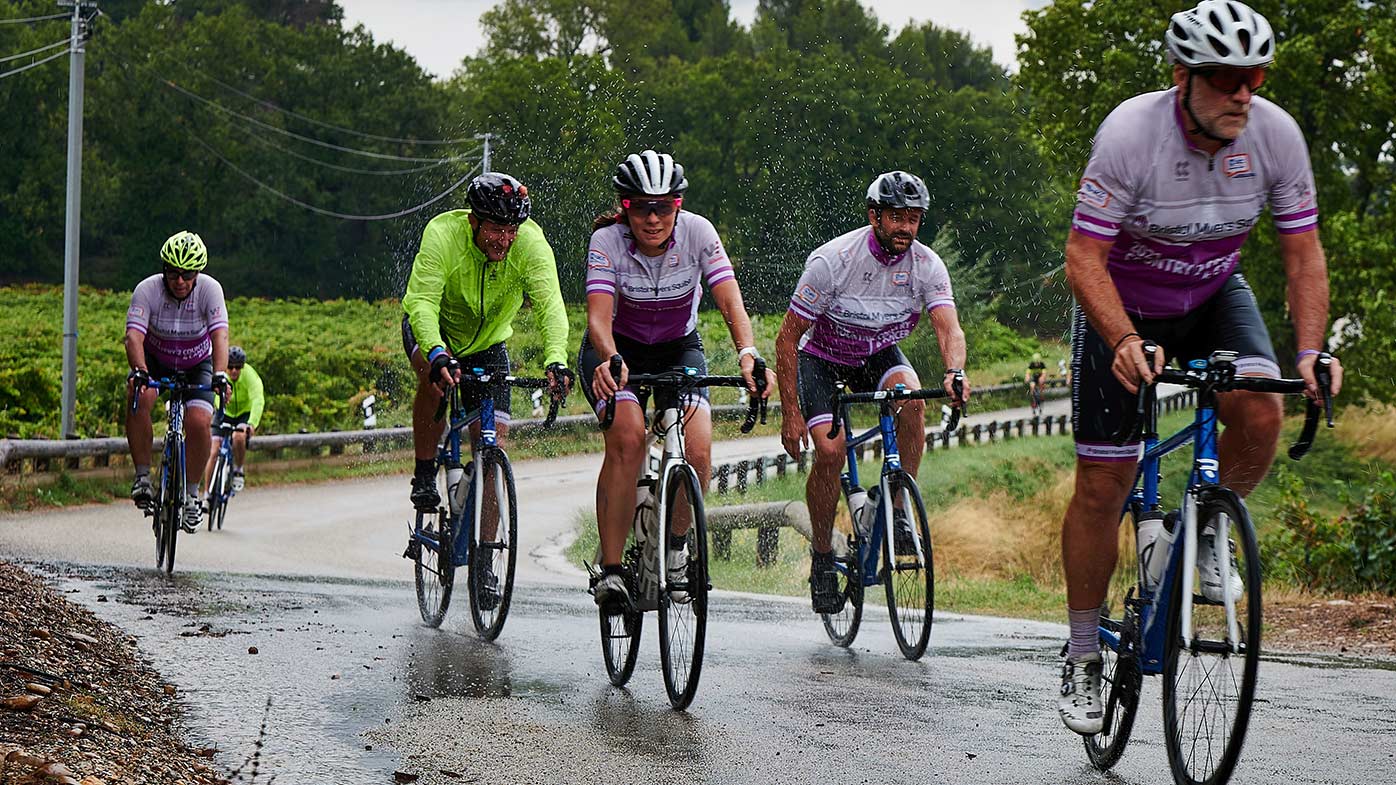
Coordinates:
439 33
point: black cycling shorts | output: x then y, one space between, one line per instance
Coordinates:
818 378
199 374
494 358
640 357
1229 321
220 419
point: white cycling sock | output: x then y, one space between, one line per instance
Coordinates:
1085 632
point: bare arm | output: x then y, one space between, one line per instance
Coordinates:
1095 292
1306 273
220 350
135 349
793 432
600 311
946 321
728 298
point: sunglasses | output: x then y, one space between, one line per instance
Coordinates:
1230 80
175 272
660 207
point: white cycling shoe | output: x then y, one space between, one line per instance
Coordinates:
676 567
1079 703
1209 567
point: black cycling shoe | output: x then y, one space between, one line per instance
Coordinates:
824 584
486 584
902 540
424 495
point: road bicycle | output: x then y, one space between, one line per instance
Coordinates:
1035 396
220 483
668 493
902 561
1160 618
167 507
467 530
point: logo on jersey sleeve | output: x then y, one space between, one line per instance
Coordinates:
1238 165
902 278
1093 194
596 260
137 311
808 295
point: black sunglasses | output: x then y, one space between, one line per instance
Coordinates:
660 207
175 272
1230 80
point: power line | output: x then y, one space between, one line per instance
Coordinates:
353 169
362 135
331 213
33 19
24 68
8 58
308 139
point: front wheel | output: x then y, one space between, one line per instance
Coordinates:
683 608
494 547
1209 679
173 507
217 488
909 572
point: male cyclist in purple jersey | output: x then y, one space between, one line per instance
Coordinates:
1175 181
861 293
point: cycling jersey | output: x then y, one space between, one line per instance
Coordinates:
862 299
1178 215
177 332
656 298
1036 370
458 299
246 399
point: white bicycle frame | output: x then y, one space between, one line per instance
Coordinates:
1189 572
665 455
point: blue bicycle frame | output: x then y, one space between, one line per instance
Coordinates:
870 548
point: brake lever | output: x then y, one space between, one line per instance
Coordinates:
1323 373
616 365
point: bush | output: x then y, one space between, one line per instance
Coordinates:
1353 552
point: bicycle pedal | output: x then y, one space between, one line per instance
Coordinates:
414 550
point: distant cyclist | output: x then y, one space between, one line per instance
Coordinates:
468 282
177 322
860 295
1175 181
243 412
646 267
1035 377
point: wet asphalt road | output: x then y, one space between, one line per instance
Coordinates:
359 689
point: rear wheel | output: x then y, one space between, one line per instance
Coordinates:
683 608
217 488
620 632
433 569
493 556
842 627
1209 680
909 572
1121 677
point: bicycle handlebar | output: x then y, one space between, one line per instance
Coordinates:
176 385
484 376
840 401
681 377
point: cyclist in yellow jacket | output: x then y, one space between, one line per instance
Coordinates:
243 411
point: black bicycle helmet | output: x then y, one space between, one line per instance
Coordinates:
898 189
650 174
236 357
499 198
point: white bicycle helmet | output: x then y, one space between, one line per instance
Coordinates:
650 174
1220 32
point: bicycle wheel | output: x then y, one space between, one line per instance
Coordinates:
1121 677
157 524
489 604
433 567
842 627
217 485
174 503
1208 687
909 573
683 622
620 632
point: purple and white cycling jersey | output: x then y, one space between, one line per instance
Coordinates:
656 298
1176 214
177 331
862 300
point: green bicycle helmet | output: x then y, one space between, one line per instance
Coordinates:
184 250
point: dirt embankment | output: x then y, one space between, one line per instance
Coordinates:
78 704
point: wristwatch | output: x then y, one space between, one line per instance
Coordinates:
745 350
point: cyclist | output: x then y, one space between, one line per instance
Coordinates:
1175 181
468 282
177 322
1033 376
243 411
861 294
646 267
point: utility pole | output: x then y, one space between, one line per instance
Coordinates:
485 155
73 225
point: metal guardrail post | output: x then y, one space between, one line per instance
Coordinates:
722 544
978 429
877 449
782 461
760 470
802 465
993 430
722 472
742 466
767 546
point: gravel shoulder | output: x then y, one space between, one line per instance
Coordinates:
78 702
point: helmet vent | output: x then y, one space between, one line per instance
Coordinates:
1218 46
1245 38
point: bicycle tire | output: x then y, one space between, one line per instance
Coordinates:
620 632
1121 678
174 511
503 550
157 525
1186 679
683 624
216 486
909 578
842 627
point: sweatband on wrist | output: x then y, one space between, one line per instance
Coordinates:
1125 336
1305 353
434 353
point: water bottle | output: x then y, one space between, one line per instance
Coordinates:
870 507
648 533
857 502
454 474
1155 540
